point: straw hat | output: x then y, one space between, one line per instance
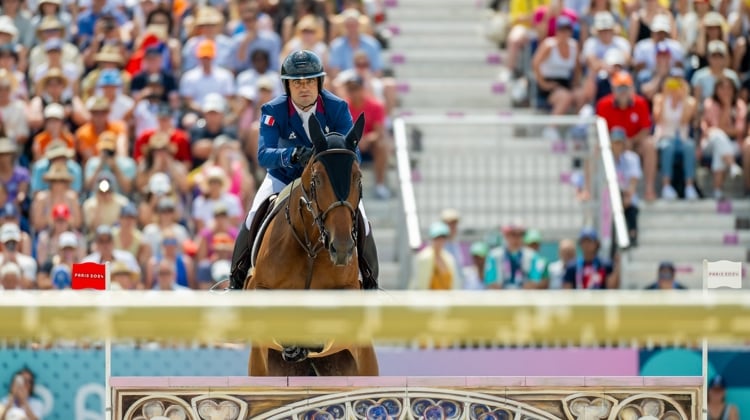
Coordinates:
58 148
310 23
99 103
53 73
7 146
214 173
58 172
8 79
107 141
109 54
50 23
159 141
208 16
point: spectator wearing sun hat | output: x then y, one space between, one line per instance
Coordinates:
106 251
434 267
206 78
532 239
343 48
121 169
214 193
705 78
104 205
110 87
153 76
15 177
51 27
589 270
511 265
124 278
252 38
211 125
178 138
473 274
54 129
10 238
645 51
208 26
56 151
52 239
12 110
53 48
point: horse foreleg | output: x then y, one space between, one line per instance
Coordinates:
258 361
341 363
277 366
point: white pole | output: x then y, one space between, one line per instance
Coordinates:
107 357
704 351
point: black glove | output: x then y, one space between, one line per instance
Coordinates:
301 155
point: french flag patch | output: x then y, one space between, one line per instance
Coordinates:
268 120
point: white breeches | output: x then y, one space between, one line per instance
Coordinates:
271 186
720 145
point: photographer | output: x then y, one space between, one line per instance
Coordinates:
20 404
121 169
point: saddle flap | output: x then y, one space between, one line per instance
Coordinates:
266 212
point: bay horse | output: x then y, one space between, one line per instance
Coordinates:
319 214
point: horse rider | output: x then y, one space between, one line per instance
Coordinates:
284 148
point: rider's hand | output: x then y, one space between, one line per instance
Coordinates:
301 155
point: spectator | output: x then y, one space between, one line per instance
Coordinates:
9 61
10 238
103 207
704 80
207 237
110 57
511 266
11 277
600 8
373 145
128 237
12 110
556 71
381 88
105 250
711 28
124 278
521 31
474 273
343 47
166 220
435 268
566 255
120 169
110 85
53 49
252 37
44 276
533 240
226 155
452 218
589 271
21 402
179 140
674 111
545 18
57 152
151 103
153 81
723 126
15 10
9 213
196 84
50 27
597 46
653 17
662 69
628 168
52 238
182 265
166 277
51 9
666 278
214 193
260 69
160 158
59 192
624 108
645 50
208 27
207 129
718 407
158 186
89 133
688 20
309 34
69 249
14 177
54 131
89 25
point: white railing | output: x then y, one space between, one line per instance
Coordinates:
605 205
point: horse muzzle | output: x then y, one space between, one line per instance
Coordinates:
341 252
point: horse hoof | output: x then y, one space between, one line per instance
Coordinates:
294 354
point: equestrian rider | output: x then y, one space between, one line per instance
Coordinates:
284 148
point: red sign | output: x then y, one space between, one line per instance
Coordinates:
89 275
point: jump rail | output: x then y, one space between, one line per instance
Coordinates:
538 398
503 317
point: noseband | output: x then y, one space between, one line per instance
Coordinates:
309 201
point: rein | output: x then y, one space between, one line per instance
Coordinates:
319 218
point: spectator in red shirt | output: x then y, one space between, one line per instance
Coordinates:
374 144
624 108
177 137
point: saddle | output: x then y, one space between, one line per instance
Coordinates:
266 212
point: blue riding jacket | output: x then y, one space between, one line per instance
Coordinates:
281 131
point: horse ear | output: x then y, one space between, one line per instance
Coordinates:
317 136
355 134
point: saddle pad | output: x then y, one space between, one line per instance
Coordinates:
274 208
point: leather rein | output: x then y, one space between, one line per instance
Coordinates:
309 201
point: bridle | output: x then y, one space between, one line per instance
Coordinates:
309 201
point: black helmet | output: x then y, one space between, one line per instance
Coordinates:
303 64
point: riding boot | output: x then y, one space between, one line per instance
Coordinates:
368 260
243 248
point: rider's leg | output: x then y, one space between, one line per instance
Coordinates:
243 246
368 258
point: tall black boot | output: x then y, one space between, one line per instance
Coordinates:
243 248
368 259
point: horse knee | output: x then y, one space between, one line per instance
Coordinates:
294 354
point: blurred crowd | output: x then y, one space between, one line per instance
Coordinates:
129 128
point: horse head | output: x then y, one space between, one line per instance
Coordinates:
332 188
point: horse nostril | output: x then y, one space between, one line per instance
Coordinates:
332 248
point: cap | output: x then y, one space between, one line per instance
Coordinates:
10 232
104 230
618 134
450 215
717 47
515 226
717 382
532 236
159 183
248 92
439 229
110 77
588 233
666 266
7 26
661 23
107 141
350 13
98 103
165 203
265 82
58 148
67 240
663 48
622 78
120 267
479 249
604 21
54 110
712 18
8 211
153 50
563 21
205 49
220 208
214 102
50 23
61 211
7 146
129 210
53 44
677 72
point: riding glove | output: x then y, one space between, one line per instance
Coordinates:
301 155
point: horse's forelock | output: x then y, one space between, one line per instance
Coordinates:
336 141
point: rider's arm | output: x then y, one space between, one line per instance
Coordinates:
270 155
